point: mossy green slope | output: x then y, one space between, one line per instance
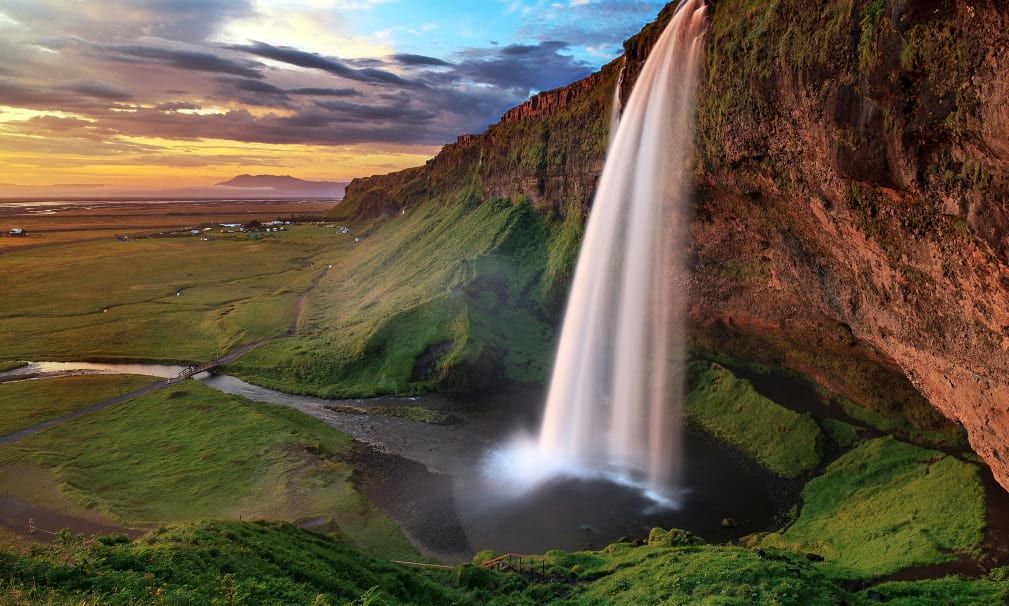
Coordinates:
262 563
449 296
784 442
214 563
888 505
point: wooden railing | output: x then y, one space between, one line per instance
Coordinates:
531 565
190 371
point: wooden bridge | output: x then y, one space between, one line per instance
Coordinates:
190 371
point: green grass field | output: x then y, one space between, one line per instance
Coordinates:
232 291
784 442
188 452
27 403
886 506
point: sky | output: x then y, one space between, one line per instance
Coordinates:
167 94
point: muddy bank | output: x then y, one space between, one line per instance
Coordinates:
40 524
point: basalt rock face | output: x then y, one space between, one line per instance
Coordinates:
855 169
852 186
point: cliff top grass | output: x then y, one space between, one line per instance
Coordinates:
27 403
188 452
729 408
888 505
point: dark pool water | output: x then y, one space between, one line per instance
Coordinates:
563 513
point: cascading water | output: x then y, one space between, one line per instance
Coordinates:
616 392
618 101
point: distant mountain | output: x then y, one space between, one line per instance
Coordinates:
286 185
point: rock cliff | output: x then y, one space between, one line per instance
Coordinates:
852 193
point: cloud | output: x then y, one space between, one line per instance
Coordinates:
596 24
180 59
417 60
299 58
99 90
325 92
522 67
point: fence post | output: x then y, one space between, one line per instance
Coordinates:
31 525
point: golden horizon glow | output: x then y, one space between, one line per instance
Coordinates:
177 164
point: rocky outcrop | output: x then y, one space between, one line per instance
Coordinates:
853 191
859 174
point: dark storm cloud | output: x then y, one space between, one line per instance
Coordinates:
419 60
174 106
325 92
521 67
345 111
19 93
253 86
165 80
99 90
299 58
180 59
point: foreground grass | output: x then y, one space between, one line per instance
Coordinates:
889 505
189 452
27 403
782 441
214 563
275 563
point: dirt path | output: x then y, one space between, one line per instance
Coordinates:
24 433
299 304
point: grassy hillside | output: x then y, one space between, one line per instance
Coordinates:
450 295
889 505
190 452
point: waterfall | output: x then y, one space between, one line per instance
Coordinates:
616 393
618 102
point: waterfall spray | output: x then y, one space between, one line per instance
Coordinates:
616 392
